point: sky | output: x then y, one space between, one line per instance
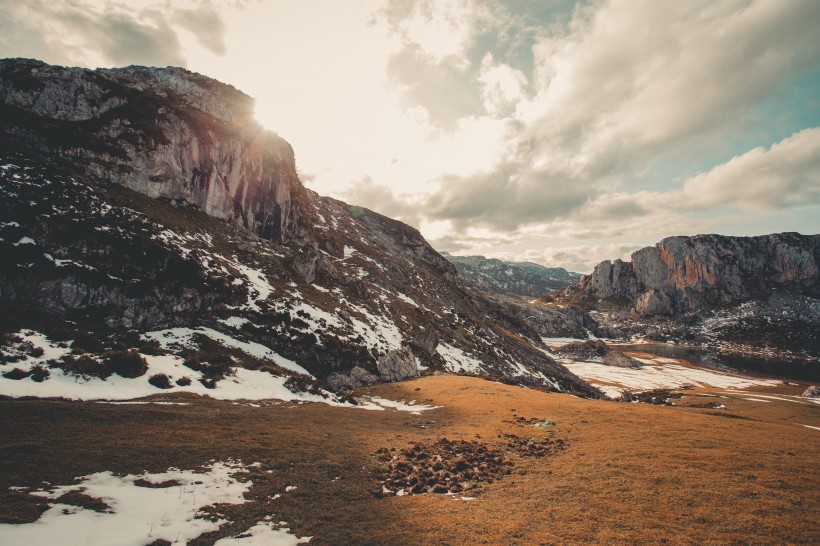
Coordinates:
552 131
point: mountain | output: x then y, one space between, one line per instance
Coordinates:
520 278
752 294
142 208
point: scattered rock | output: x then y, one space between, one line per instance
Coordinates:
453 466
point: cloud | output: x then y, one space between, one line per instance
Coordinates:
110 34
785 175
366 193
582 258
206 24
608 94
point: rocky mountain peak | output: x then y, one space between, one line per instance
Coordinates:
166 132
681 274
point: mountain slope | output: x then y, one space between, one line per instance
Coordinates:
520 278
189 216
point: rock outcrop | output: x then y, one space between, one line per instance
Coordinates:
683 274
165 132
595 350
397 365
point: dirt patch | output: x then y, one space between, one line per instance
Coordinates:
142 482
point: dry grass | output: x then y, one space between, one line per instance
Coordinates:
628 473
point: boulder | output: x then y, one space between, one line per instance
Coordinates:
361 377
357 377
426 341
591 350
617 358
812 392
397 365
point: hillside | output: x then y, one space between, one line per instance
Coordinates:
139 200
519 278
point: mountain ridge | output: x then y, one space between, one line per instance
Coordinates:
521 278
328 286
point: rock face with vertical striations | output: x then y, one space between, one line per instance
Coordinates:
164 132
683 274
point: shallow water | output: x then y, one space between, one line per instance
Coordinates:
806 370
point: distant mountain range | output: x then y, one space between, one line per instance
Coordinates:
520 278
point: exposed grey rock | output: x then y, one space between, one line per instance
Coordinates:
427 341
362 377
591 350
682 274
339 382
812 392
398 364
617 358
165 132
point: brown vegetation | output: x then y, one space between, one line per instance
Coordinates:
609 472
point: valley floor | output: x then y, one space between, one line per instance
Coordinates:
744 473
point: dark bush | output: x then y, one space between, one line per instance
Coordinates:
160 381
184 381
83 365
39 373
208 382
126 363
299 383
89 343
17 374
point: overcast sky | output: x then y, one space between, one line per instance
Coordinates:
553 131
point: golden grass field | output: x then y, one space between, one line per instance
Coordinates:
630 473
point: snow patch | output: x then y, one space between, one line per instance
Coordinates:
264 533
138 515
663 376
457 360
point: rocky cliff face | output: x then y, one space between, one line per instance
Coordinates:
164 132
683 274
309 281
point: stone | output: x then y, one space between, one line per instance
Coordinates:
812 392
398 364
200 146
591 350
617 358
362 377
426 341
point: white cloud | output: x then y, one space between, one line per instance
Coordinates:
785 175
